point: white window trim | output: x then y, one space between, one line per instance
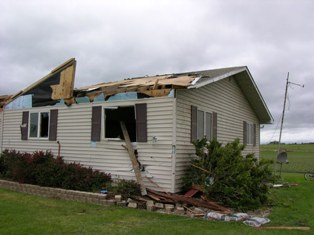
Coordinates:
38 125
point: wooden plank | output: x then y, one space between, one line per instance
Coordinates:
157 92
134 162
285 228
191 192
175 198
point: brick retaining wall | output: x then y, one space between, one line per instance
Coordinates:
95 198
57 193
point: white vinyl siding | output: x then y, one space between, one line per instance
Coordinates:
74 135
224 98
1 126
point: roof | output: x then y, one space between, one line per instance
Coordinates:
247 85
161 85
58 84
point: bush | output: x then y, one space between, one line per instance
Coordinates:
127 188
44 169
228 177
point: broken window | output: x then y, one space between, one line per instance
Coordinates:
39 125
112 119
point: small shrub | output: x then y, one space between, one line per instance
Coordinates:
228 177
44 169
127 188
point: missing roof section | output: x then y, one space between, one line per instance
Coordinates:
155 86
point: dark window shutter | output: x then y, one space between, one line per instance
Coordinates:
96 123
254 135
141 122
193 123
53 125
244 133
215 125
24 126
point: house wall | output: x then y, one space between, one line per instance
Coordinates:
226 99
1 126
74 134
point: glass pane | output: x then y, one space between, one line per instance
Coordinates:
33 125
200 124
209 126
44 124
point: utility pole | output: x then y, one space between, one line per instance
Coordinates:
279 158
283 113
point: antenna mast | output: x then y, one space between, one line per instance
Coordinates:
283 113
284 109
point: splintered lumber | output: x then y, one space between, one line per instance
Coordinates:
200 168
191 192
134 162
175 198
285 228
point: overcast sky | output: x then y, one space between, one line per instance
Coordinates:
113 40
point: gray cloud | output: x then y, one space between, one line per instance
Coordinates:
112 40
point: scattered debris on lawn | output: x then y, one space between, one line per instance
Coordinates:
287 185
247 219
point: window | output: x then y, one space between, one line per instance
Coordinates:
204 125
39 125
249 135
112 119
108 119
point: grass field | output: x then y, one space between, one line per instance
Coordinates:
25 214
300 156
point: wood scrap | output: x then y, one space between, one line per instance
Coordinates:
133 159
214 204
285 228
175 198
191 192
200 168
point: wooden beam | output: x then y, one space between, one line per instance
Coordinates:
157 92
133 159
285 228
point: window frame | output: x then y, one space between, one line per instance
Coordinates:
205 125
39 125
250 133
103 122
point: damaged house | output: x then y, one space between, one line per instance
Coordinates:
162 114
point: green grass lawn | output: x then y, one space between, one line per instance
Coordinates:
300 156
25 214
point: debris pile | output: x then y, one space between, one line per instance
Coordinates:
186 205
